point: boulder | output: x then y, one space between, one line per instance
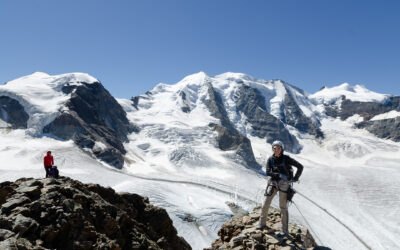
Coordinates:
235 235
66 214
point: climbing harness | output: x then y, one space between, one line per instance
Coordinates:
271 188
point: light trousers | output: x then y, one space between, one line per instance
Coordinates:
283 186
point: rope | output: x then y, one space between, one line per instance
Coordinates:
331 215
308 224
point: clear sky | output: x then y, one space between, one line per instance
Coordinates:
132 45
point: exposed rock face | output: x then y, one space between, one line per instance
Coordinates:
94 120
387 128
67 214
228 137
295 117
364 109
228 140
185 107
217 109
12 112
136 99
264 125
367 110
241 233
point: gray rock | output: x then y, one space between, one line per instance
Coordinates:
30 191
12 112
136 99
295 117
22 224
231 140
93 116
240 236
9 244
238 240
217 109
13 202
264 125
5 234
387 128
185 107
365 109
271 239
84 216
228 137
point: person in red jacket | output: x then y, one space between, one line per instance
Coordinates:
48 162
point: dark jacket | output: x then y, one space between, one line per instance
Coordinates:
283 165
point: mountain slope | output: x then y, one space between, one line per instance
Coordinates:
70 106
198 144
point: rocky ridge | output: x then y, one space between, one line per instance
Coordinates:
240 233
12 112
228 137
94 120
385 128
67 214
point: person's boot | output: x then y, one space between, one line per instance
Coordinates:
260 227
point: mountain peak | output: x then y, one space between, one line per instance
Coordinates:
196 79
354 93
235 76
39 74
196 76
42 79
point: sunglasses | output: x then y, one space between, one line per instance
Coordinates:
276 148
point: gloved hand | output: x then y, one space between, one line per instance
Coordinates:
295 179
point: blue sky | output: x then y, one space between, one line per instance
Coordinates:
133 45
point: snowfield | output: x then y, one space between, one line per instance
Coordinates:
350 179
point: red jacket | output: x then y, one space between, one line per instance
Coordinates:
48 161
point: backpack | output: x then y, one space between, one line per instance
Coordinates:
53 172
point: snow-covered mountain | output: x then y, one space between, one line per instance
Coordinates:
196 144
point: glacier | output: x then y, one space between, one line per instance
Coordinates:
174 160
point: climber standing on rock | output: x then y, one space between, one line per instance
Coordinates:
48 162
280 173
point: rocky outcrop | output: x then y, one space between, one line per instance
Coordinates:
252 104
387 128
228 137
294 116
240 233
94 120
136 99
12 112
67 214
185 106
228 140
367 110
217 109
